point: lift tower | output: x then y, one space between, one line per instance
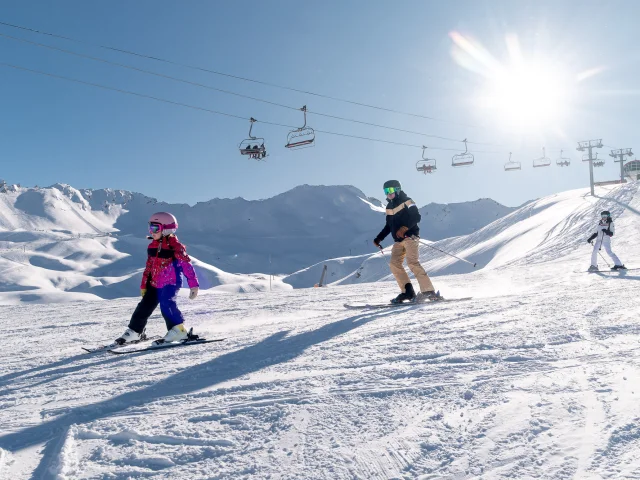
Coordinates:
590 145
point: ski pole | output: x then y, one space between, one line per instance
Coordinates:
602 256
450 254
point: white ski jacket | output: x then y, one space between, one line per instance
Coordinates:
605 227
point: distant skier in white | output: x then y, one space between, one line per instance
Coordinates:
602 236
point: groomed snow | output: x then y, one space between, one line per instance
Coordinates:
536 377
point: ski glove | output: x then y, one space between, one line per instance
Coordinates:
376 242
401 232
609 232
143 291
591 238
193 293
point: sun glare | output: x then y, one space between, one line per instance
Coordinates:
525 97
521 93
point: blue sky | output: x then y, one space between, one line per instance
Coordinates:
397 55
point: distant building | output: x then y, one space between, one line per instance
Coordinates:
632 169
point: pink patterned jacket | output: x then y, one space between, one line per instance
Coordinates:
166 260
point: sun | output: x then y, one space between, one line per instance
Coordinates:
519 93
526 96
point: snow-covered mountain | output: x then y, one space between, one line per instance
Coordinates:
557 223
75 244
454 219
534 377
60 244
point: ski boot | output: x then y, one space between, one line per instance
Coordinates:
593 268
431 296
618 267
408 295
130 336
176 334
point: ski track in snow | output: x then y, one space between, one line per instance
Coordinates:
542 383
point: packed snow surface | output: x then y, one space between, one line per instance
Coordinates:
536 377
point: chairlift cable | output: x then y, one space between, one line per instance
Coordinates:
237 77
229 92
208 110
128 52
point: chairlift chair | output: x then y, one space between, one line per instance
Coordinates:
253 147
543 161
462 159
302 137
426 165
563 161
599 163
512 166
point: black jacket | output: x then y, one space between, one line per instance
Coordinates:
401 212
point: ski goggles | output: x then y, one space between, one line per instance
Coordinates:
155 228
390 190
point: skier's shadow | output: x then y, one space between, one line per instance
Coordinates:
275 349
64 366
48 369
619 276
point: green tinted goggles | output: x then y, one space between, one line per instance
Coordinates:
390 190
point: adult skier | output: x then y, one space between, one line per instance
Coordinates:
167 259
602 236
402 222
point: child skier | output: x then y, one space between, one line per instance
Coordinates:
167 259
402 222
604 232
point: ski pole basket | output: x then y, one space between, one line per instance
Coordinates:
302 137
462 159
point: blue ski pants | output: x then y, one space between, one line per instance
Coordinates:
166 298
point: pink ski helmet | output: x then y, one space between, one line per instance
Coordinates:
168 222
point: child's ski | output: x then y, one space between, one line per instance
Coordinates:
110 346
185 343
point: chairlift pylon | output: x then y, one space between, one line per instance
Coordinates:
462 159
301 137
511 166
426 165
543 161
253 147
563 161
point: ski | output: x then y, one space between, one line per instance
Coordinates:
371 306
103 348
607 270
124 349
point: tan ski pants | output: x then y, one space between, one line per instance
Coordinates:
409 248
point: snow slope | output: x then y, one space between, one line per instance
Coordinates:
536 377
539 231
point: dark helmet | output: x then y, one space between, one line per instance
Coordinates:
605 212
392 184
